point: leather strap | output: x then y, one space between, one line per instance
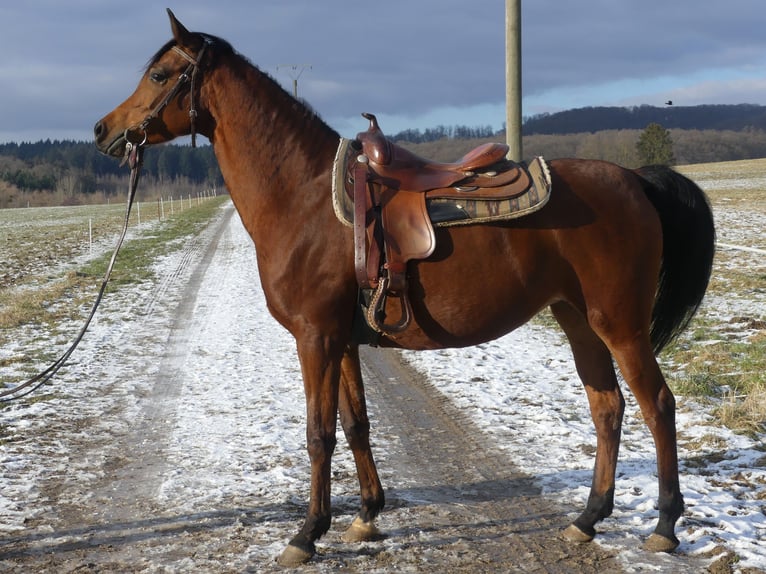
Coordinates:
360 222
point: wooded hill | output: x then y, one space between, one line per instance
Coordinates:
61 172
709 117
67 172
618 146
700 134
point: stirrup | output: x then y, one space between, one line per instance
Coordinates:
376 310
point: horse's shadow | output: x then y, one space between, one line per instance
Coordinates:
155 528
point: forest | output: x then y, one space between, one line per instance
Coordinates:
699 134
67 172
595 119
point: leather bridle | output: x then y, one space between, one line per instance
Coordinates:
188 75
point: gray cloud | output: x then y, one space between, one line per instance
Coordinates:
65 64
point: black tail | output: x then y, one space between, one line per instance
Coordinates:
687 253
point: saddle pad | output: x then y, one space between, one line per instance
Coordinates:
445 212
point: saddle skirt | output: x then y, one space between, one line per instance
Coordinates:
393 199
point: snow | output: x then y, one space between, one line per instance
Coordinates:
238 430
509 394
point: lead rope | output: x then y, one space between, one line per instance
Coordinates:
134 156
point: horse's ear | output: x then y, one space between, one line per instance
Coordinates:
182 36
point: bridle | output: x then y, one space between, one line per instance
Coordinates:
135 138
188 75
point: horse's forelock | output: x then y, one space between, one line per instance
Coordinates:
214 41
161 52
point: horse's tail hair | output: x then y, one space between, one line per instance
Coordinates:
687 250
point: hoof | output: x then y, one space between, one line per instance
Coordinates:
294 556
361 531
659 543
574 534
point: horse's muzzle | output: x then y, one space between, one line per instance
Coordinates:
112 146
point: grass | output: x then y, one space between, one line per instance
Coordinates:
34 305
45 299
723 354
136 257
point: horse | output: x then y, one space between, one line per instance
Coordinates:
621 257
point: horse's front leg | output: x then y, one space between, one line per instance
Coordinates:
356 426
320 366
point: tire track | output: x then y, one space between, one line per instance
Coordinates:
191 250
479 511
135 472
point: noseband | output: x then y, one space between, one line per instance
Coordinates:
188 75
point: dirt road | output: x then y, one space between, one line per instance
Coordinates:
454 504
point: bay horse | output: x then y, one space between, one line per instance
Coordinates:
622 258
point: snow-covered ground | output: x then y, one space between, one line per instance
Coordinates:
522 388
238 431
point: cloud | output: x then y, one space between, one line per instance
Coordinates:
745 90
400 58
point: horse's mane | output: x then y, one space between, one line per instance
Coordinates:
221 48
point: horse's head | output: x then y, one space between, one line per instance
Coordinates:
163 106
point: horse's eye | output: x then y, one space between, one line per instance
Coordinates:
158 76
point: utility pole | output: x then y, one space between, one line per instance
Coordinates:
294 71
513 78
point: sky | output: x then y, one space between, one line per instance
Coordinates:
416 64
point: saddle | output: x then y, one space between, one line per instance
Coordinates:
394 198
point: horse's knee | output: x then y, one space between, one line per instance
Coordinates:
321 446
666 402
609 412
357 432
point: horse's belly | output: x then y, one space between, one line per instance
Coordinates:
465 300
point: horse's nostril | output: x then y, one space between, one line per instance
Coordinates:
98 129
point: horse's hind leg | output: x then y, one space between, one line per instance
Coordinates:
594 366
642 373
356 426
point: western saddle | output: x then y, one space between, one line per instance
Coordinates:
393 198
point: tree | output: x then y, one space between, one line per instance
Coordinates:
655 146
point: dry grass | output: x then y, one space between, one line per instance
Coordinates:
23 306
42 284
732 183
722 357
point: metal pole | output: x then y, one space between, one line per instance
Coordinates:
295 71
513 79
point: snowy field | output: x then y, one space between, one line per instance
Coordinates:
238 431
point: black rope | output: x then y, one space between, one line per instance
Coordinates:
135 159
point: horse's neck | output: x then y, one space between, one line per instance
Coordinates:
268 147
277 164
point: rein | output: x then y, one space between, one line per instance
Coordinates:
134 157
134 153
